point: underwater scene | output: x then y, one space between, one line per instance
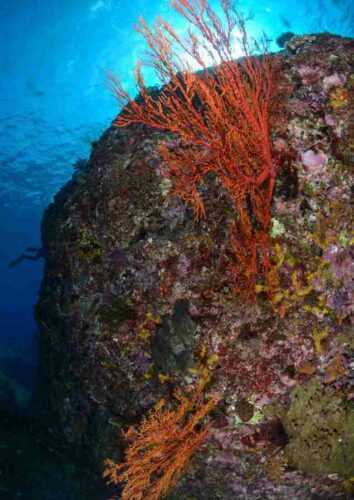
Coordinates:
177 265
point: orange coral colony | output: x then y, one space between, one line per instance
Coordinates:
161 447
220 117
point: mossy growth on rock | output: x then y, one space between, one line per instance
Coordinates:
115 313
319 425
89 248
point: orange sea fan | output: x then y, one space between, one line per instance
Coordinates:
161 447
221 117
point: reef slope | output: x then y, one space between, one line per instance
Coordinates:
137 298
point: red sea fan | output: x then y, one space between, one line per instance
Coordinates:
220 117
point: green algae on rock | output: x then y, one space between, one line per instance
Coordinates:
320 426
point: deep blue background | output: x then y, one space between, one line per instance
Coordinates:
54 101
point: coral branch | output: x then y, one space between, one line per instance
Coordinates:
221 117
161 447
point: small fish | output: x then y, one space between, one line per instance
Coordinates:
285 22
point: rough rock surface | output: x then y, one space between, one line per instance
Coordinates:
137 298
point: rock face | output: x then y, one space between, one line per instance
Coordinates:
137 297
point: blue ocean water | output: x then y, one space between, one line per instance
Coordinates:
54 101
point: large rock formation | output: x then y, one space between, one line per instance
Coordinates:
137 298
